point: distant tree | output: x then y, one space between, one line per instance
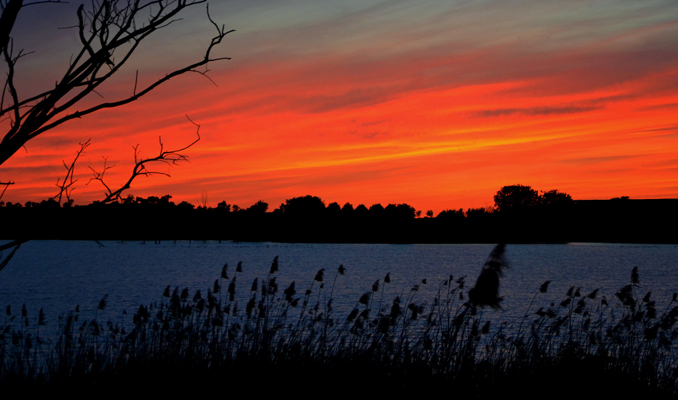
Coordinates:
165 201
347 209
307 206
334 208
184 205
451 214
515 197
555 198
153 200
50 203
361 211
406 211
429 214
224 206
259 208
376 210
476 213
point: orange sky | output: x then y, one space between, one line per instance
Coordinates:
435 105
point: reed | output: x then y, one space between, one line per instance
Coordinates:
285 339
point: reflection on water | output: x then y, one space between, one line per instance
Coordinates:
58 275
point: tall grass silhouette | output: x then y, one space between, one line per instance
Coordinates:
282 338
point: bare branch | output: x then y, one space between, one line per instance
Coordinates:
204 73
169 157
14 245
45 2
136 80
7 20
6 184
65 186
10 85
109 27
99 176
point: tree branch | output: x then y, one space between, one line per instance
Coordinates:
65 186
170 157
14 245
110 26
102 31
6 184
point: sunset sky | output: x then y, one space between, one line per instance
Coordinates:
437 104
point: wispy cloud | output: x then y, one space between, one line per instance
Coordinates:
595 160
535 111
368 135
658 107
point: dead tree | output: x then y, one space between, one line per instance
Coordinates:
142 167
109 33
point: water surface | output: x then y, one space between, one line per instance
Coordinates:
58 275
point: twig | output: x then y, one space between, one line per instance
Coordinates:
14 245
6 184
70 171
169 157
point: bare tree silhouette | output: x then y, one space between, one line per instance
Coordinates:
109 27
110 32
169 157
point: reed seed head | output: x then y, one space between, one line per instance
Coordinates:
290 292
486 290
274 266
635 279
544 287
319 275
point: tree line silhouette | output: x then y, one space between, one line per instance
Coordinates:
520 215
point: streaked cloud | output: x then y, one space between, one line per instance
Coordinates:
536 111
595 160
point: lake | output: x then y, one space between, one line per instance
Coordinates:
58 275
